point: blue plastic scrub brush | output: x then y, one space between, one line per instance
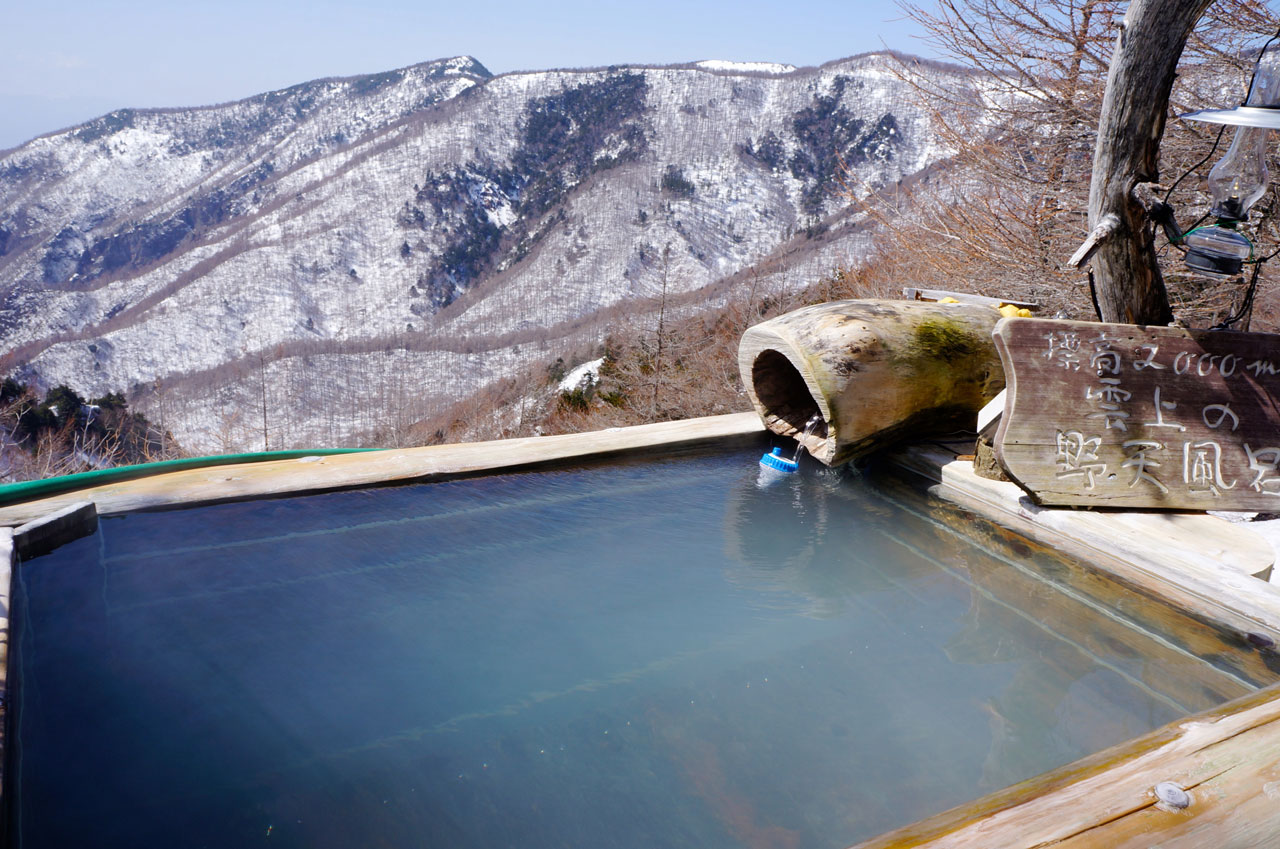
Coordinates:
774 467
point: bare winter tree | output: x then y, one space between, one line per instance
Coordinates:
1024 146
1126 161
662 318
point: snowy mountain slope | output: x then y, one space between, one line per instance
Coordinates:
438 222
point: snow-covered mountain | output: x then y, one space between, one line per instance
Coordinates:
345 255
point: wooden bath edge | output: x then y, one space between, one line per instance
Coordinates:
1214 569
318 473
1227 759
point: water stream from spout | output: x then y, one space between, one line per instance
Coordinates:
810 428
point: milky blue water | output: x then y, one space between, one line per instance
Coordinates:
637 655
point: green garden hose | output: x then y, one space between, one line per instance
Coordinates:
31 490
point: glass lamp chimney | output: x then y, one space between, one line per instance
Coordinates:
1240 178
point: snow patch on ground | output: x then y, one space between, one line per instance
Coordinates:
586 373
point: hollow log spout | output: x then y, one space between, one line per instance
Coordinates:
875 372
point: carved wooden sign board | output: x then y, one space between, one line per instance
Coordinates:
1118 415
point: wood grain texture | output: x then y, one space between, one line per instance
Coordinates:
877 372
1113 415
435 462
1228 759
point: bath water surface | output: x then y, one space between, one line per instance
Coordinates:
646 654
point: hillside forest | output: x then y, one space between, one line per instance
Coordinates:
1013 210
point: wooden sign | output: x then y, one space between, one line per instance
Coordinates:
1117 415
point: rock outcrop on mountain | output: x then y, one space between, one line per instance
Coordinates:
315 265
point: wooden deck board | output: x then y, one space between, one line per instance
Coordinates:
1228 759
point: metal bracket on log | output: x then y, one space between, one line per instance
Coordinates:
1157 210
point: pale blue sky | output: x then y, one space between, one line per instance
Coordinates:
65 61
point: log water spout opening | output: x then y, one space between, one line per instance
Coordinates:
872 372
786 399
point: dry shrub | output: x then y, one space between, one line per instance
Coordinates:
36 443
698 373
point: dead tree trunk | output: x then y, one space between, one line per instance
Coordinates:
1121 244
